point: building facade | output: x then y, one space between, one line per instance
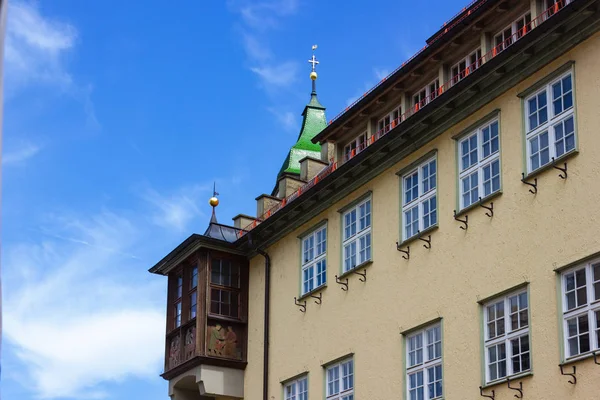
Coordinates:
442 245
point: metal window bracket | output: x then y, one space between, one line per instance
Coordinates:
465 221
562 372
563 170
427 241
319 298
490 208
406 252
518 389
362 274
300 304
533 185
596 358
342 283
493 396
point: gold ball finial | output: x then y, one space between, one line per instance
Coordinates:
213 201
313 76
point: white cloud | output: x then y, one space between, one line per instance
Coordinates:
265 14
259 18
174 211
277 76
76 312
36 48
256 49
287 119
21 154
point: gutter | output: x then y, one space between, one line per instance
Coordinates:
266 323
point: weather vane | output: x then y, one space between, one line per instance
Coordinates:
313 74
313 60
214 201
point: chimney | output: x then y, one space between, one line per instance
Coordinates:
288 184
241 221
310 167
264 202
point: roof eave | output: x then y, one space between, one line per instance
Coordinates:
391 80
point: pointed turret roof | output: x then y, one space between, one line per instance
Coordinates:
313 122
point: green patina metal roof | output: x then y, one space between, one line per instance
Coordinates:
313 122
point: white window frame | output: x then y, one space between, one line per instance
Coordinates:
481 164
470 66
342 374
296 389
311 258
429 359
589 309
552 121
425 194
426 94
360 239
357 144
389 121
508 334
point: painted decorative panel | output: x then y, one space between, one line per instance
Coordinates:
223 341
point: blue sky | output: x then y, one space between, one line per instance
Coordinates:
118 118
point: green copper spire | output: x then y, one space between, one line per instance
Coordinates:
313 122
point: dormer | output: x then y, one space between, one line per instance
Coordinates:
457 50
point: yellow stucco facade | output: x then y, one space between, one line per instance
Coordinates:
528 238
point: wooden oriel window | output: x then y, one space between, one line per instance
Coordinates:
225 288
184 296
178 298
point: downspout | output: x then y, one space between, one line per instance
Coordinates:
266 323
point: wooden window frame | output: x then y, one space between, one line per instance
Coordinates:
355 238
479 166
426 361
338 367
421 198
223 288
589 309
311 263
507 336
553 120
296 389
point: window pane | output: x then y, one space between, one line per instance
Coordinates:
308 279
364 248
429 212
411 222
470 192
598 328
578 335
411 187
429 176
469 151
497 361
520 354
539 151
491 178
596 277
365 215
194 277
350 256
321 273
